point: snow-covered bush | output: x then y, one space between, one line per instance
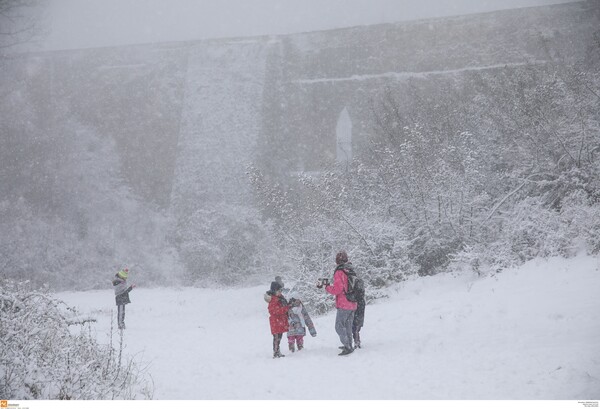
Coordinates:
492 169
48 352
525 231
582 214
530 228
225 245
319 216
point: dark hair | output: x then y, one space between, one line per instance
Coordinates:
275 286
341 257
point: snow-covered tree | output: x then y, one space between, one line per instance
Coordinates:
48 352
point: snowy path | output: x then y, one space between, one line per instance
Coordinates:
527 334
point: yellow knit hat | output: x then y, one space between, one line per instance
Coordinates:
123 273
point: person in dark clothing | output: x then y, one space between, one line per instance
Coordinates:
359 316
122 295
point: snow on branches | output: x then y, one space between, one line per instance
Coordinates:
48 352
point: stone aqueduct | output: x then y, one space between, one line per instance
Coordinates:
187 116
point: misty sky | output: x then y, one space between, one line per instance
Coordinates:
95 23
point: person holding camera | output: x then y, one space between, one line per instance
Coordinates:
345 308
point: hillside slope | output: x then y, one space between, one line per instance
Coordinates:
529 333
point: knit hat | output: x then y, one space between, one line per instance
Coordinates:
280 281
341 257
275 286
123 273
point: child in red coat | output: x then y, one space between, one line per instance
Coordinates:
278 316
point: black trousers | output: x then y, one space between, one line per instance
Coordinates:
276 342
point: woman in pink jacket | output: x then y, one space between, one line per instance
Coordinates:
345 308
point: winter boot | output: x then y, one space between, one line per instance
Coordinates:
293 347
346 351
278 354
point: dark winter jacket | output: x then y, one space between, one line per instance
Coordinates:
278 314
121 290
359 314
297 318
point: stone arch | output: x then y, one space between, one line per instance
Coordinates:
343 139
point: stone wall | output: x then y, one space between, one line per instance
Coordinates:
188 117
327 72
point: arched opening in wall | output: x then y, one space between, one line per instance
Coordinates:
343 132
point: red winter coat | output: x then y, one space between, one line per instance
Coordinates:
278 315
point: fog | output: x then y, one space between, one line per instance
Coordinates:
97 23
209 146
173 156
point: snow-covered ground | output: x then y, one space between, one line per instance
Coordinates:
529 333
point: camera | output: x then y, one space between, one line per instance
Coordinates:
322 282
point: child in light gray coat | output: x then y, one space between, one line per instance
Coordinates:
298 319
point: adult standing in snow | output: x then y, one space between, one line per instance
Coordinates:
278 316
122 295
345 308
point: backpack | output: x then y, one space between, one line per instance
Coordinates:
355 285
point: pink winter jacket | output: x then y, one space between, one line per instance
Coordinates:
340 285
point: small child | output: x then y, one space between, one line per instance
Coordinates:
298 321
278 316
122 295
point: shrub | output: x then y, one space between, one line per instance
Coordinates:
48 352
